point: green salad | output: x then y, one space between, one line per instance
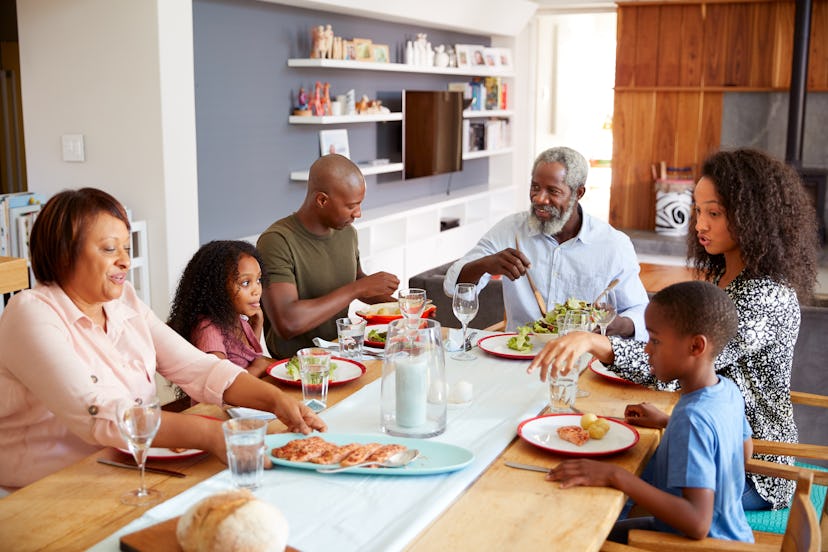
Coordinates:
520 342
377 337
548 324
292 368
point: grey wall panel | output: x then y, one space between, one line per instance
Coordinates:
245 92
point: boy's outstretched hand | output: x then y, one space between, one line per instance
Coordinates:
588 473
645 415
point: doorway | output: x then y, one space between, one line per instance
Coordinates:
575 80
12 152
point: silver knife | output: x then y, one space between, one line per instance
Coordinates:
146 468
526 466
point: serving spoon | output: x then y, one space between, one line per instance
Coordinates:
397 460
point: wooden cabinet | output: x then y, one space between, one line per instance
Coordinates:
674 62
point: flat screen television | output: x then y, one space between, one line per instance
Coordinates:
432 132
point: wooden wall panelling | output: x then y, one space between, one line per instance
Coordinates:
689 124
669 46
692 45
710 135
647 47
626 33
760 71
623 135
632 197
783 18
714 59
665 129
818 56
739 36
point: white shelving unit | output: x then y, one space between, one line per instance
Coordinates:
486 153
343 119
139 263
405 239
488 113
367 170
398 67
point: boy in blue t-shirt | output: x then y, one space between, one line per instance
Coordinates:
697 475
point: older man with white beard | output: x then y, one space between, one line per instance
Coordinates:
567 252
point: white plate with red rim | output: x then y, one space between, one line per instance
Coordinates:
381 328
497 345
542 432
346 370
159 453
598 368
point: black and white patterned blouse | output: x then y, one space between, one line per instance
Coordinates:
758 360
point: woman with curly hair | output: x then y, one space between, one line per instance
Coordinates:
756 238
217 306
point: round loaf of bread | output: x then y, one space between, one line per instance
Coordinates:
234 521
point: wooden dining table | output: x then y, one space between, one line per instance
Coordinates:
504 508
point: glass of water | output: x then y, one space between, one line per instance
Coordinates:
245 442
465 305
412 302
350 335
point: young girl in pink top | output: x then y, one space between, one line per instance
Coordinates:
217 305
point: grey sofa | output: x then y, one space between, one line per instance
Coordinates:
810 354
491 299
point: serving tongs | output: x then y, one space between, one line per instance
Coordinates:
538 296
606 290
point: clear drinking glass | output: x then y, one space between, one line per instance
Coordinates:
315 372
465 305
412 302
138 424
578 321
604 311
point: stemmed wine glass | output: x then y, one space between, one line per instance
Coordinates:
412 303
604 311
138 424
465 305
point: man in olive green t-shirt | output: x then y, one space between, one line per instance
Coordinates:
312 260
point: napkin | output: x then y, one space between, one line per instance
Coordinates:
244 412
319 342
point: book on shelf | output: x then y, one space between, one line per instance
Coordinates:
492 85
12 206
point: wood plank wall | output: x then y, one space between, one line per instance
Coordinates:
674 61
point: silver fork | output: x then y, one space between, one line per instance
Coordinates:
467 345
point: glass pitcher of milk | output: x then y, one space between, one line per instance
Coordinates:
414 387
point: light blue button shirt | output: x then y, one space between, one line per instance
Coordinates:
580 267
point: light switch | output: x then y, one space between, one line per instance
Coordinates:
73 149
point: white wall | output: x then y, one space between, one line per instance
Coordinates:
93 67
120 72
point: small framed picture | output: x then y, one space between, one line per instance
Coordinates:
349 50
463 56
492 57
334 141
505 55
364 49
477 56
380 53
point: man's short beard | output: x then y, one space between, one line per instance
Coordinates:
557 221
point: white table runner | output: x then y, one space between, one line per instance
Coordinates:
373 512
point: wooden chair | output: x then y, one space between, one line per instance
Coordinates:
802 533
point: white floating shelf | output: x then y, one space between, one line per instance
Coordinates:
343 119
485 153
367 170
398 67
484 114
